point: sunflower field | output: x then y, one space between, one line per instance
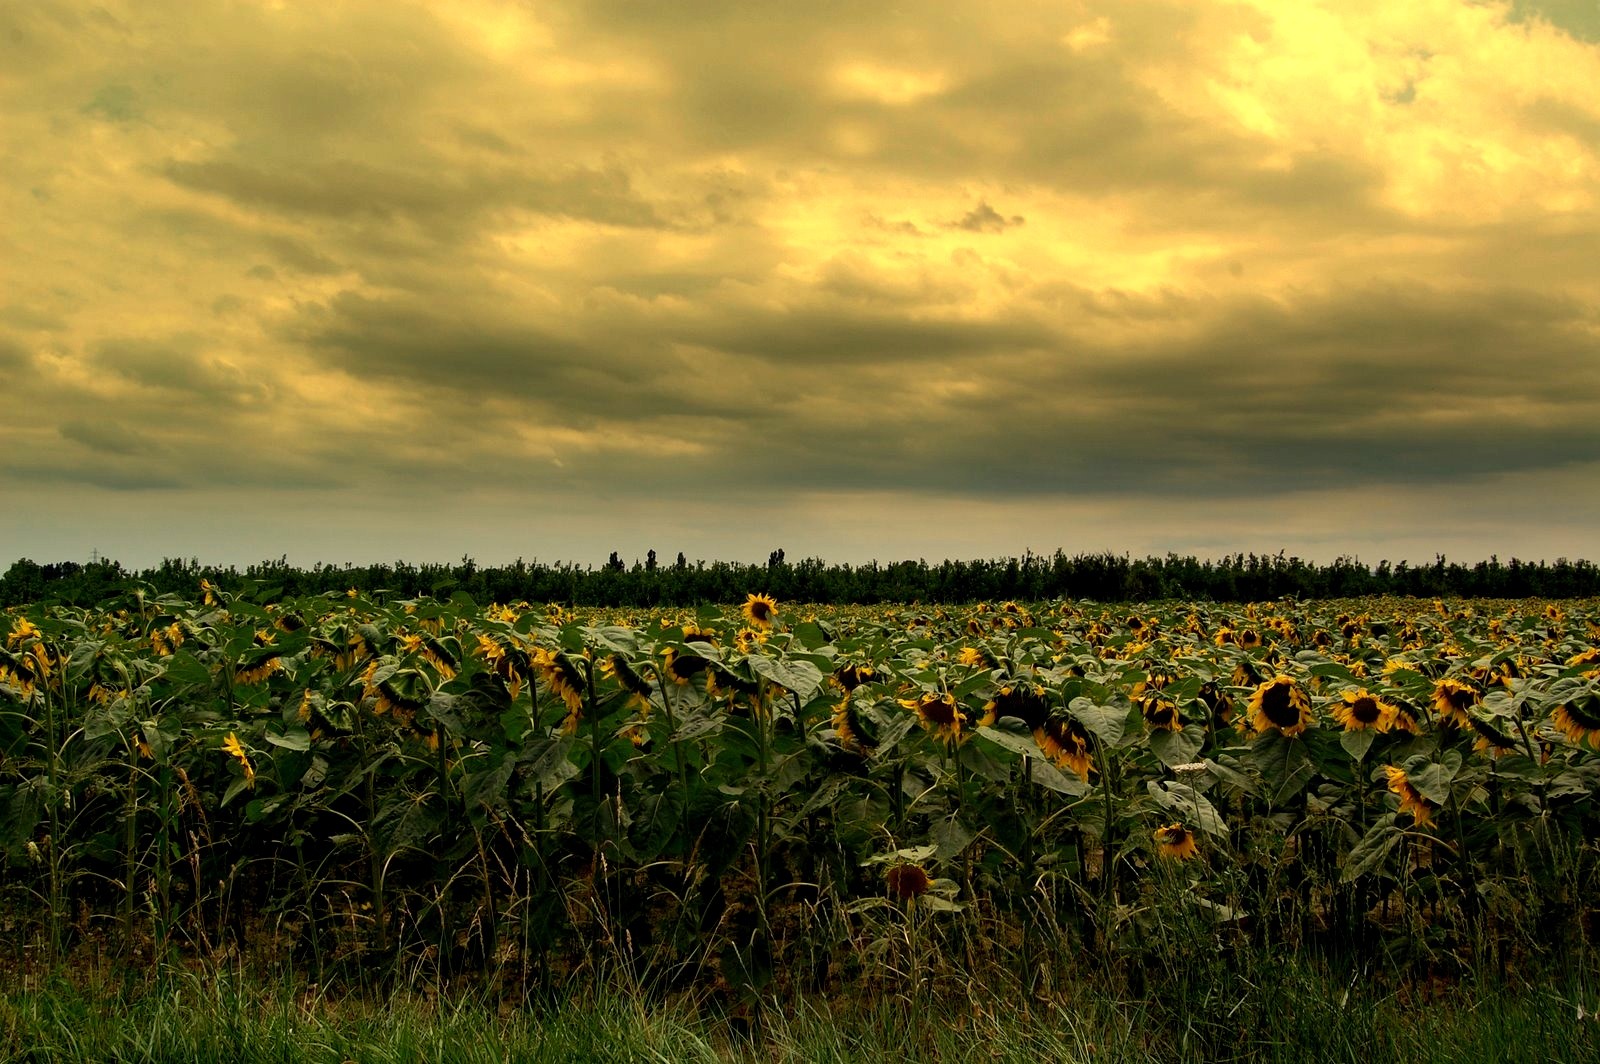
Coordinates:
773 798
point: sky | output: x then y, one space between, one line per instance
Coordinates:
369 280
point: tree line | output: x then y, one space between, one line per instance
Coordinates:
1104 577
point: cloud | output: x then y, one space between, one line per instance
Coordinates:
1161 255
985 219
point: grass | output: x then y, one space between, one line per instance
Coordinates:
1287 1012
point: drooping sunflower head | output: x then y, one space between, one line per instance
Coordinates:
847 726
849 676
1066 742
940 716
1280 704
1360 710
908 881
1452 699
1491 740
617 667
977 658
1025 701
1216 700
1411 799
760 610
563 674
1160 714
681 668
1175 842
1579 719
1246 673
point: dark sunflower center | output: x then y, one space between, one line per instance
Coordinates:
1365 709
938 711
1278 704
1158 712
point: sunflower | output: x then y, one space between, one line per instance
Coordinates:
1066 742
681 668
1175 842
977 657
254 674
1160 714
760 610
847 726
940 716
563 675
1245 674
1579 719
1452 699
1407 717
1216 700
1411 799
908 881
1026 702
1280 703
1360 710
618 668
233 746
1491 740
850 676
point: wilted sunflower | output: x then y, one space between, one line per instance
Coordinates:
850 676
940 716
977 657
1407 717
1360 710
681 668
1246 674
618 668
1491 740
1066 742
1452 699
1579 719
562 675
1280 703
908 881
1216 700
1025 701
847 726
1160 714
760 610
1175 842
252 674
1411 799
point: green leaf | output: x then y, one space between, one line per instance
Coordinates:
186 670
1011 734
1189 804
1283 762
1105 722
951 836
294 738
1046 775
1177 747
799 676
656 821
1357 743
1432 778
488 787
1366 855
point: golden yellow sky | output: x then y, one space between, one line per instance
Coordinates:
366 280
